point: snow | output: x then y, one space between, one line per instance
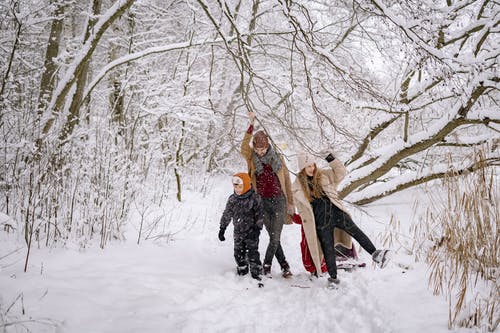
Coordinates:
187 283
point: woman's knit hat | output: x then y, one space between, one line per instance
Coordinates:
304 159
260 140
243 178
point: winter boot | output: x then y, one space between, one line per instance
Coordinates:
256 276
333 283
381 257
242 270
313 276
285 270
266 270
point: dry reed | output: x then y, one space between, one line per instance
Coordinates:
458 237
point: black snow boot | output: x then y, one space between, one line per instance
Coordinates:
256 276
266 269
333 283
242 270
381 257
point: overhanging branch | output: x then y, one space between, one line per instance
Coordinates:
380 167
424 179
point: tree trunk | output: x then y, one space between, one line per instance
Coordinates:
48 80
179 163
81 81
117 97
59 99
11 59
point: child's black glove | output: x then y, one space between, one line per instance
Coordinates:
221 234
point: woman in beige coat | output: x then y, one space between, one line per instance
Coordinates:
324 218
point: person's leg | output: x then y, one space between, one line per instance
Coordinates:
268 257
325 236
274 214
279 221
240 254
252 244
343 221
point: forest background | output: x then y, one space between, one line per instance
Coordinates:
106 105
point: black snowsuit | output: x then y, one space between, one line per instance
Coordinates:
246 212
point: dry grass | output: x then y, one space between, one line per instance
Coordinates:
458 237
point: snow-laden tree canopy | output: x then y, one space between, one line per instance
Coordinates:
100 97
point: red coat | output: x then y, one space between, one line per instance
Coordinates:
304 249
306 255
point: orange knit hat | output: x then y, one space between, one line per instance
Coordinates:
243 178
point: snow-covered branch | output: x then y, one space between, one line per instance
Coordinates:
141 54
391 155
379 190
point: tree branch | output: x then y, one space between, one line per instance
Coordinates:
417 180
383 164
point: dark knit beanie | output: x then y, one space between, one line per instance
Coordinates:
260 140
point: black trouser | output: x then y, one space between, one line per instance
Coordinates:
246 250
274 218
334 217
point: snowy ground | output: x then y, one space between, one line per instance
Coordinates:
188 284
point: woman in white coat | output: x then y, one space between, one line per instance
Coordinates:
315 195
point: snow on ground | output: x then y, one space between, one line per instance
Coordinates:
188 283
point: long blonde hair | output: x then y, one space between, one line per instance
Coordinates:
317 189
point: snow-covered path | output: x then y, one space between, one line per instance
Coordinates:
189 285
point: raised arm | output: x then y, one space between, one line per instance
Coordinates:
245 148
339 171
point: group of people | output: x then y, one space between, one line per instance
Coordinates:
265 197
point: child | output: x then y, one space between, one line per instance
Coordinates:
244 208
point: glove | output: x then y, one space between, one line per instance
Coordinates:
329 157
328 153
221 235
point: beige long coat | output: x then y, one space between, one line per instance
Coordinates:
330 179
283 173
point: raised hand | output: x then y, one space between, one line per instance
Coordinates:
251 117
